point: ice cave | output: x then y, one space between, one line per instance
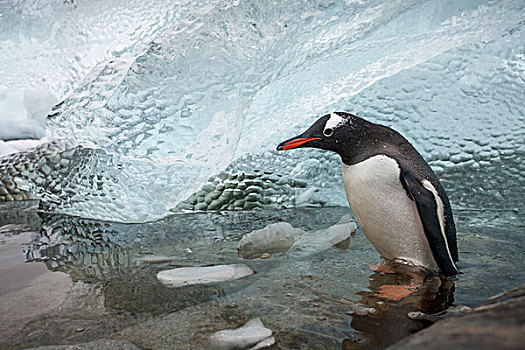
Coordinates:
143 134
149 122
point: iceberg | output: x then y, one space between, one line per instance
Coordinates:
51 45
182 121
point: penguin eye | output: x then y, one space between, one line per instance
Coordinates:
328 132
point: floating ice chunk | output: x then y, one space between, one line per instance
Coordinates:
345 219
251 333
323 239
264 343
361 310
340 232
186 276
274 238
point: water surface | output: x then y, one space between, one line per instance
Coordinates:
89 282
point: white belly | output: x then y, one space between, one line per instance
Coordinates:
386 215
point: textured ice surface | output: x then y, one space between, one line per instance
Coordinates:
223 86
48 47
53 44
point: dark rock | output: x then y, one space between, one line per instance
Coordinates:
498 323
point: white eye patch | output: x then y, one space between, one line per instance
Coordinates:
333 122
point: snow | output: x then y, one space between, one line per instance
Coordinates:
23 113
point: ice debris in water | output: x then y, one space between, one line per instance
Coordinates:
323 239
185 276
264 343
282 237
274 238
361 310
345 219
252 333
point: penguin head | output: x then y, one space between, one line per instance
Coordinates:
332 132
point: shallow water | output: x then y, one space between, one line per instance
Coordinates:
96 285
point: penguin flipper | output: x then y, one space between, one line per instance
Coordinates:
427 207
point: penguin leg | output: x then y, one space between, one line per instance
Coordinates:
397 292
383 268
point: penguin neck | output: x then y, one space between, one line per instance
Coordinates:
359 150
371 140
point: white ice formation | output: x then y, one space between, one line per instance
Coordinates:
274 238
320 240
252 333
186 276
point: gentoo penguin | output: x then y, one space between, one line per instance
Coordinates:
394 194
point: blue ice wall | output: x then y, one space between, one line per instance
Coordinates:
222 85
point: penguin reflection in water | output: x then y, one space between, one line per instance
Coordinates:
394 194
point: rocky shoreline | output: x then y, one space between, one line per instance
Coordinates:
498 323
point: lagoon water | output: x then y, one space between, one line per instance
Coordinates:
67 280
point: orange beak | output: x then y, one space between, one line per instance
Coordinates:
296 143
